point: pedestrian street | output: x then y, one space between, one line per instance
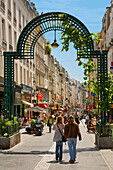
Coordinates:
38 153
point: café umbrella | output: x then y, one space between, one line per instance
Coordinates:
36 109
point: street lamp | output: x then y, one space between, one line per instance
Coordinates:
55 44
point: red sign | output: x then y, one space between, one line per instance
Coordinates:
91 106
40 96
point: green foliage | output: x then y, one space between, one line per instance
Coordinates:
48 48
32 124
81 42
105 88
4 124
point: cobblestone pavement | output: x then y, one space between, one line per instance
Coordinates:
38 153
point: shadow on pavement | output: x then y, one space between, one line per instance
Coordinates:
28 153
62 162
83 150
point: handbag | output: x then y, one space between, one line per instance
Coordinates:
63 138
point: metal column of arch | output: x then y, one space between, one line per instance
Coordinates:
9 85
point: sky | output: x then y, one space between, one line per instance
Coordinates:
90 12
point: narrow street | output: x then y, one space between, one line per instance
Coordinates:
37 153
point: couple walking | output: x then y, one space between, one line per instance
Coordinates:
71 131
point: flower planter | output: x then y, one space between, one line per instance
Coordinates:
9 142
103 142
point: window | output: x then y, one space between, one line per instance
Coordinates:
23 21
3 29
24 76
9 8
10 36
20 75
3 4
9 5
19 19
15 40
14 11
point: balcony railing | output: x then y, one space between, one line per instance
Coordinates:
4 43
2 5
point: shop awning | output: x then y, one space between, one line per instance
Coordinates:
43 105
27 103
36 109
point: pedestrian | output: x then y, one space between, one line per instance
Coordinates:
65 120
71 131
58 127
77 120
50 122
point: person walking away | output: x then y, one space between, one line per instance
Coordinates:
77 119
65 120
50 122
71 131
58 127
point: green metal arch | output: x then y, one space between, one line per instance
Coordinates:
42 24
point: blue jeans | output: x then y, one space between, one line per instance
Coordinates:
72 147
59 146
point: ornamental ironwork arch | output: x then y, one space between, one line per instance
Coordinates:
25 50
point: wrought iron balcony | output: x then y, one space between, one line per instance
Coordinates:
10 47
4 43
2 5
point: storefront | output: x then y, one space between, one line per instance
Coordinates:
26 101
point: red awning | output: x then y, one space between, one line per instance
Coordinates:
45 106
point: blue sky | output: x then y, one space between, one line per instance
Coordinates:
90 12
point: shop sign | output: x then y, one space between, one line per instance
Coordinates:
17 98
40 96
28 97
23 97
26 87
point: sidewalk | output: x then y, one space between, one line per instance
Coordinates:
106 154
88 155
38 153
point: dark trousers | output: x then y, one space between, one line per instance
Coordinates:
50 127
